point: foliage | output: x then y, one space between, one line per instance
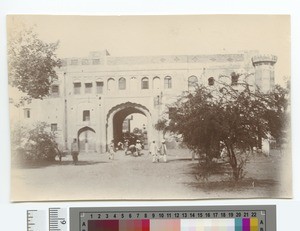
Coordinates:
235 116
34 144
31 63
278 115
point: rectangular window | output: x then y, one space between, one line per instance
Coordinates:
55 90
86 115
168 82
172 112
53 127
96 61
77 87
85 62
88 88
234 80
74 62
64 62
99 87
145 83
26 113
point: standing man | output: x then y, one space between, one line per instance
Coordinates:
111 150
163 150
138 147
75 151
153 152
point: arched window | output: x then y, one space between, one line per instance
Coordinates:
156 83
192 82
168 82
145 83
111 84
133 83
122 83
211 81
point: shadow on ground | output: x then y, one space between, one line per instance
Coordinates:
220 180
43 164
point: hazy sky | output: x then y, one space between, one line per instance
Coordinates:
167 35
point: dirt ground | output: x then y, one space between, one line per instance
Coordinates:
137 178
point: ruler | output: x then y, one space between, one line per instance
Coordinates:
58 219
53 219
36 220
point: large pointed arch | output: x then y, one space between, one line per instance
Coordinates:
118 113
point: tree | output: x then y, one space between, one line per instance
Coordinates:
236 116
278 115
34 144
31 63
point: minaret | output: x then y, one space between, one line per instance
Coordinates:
264 72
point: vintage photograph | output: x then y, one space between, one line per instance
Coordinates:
149 107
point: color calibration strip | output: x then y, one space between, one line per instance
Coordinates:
182 218
237 224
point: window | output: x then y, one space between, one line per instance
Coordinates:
172 112
211 81
192 82
156 83
145 83
55 90
26 113
77 87
122 84
96 61
88 88
168 82
111 84
86 115
99 87
74 62
234 79
133 84
53 127
85 62
64 62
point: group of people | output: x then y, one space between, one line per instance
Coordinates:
134 149
158 152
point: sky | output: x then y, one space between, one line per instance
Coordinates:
167 35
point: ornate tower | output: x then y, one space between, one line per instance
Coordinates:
264 71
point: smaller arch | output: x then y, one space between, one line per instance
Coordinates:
168 82
156 83
122 83
145 83
192 82
85 129
111 84
86 139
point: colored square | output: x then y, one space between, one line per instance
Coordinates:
246 224
165 225
103 225
238 224
254 224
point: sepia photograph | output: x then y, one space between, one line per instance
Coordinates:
177 107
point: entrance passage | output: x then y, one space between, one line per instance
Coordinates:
130 124
87 139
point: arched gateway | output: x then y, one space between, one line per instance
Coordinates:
117 114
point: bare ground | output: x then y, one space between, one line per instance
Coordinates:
137 178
